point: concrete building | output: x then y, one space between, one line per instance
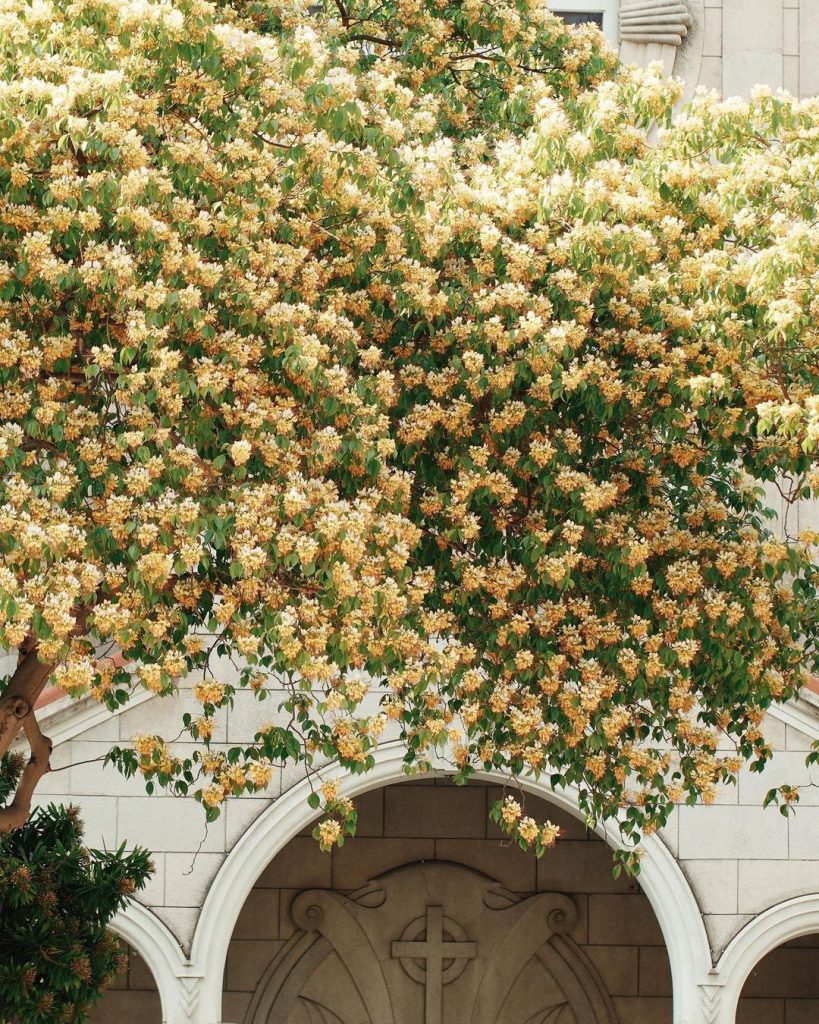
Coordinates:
428 915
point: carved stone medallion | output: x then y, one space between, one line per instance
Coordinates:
432 943
445 953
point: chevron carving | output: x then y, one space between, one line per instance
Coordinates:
189 996
711 1002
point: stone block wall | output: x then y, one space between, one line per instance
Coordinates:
132 999
784 987
186 852
733 45
740 858
773 42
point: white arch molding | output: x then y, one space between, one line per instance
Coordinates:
788 920
176 978
661 879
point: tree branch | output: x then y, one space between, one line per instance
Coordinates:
17 706
22 693
16 814
18 700
363 37
342 10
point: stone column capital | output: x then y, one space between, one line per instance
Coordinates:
666 22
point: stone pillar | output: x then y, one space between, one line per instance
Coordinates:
808 15
652 30
752 38
711 67
790 47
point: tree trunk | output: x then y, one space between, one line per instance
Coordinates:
20 697
16 814
16 712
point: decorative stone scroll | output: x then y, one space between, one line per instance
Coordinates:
431 943
666 22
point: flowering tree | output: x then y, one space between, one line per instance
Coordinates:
378 345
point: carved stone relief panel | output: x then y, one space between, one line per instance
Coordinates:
670 31
431 943
654 21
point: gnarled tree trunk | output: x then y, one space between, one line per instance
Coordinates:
17 706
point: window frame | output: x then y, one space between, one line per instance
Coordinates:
609 9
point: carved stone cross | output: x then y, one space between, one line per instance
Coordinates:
434 950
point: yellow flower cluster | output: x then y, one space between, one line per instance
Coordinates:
523 828
378 358
209 692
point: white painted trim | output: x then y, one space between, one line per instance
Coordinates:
176 979
768 931
661 878
67 718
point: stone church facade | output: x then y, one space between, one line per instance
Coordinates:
429 916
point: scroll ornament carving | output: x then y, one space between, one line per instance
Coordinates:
654 21
431 943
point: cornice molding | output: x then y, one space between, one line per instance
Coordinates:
67 718
801 713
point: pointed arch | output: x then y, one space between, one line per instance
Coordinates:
175 977
661 879
788 920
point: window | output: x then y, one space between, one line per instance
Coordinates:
600 12
578 18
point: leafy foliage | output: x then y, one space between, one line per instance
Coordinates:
56 901
376 345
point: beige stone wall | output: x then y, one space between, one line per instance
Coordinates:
769 42
741 858
784 987
738 858
132 999
430 821
733 45
117 810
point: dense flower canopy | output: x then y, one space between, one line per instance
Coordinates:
409 344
